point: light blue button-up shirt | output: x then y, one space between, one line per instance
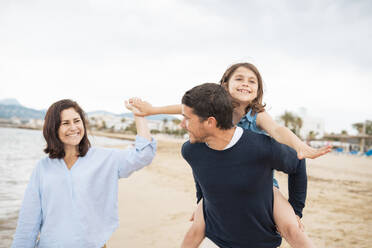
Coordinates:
248 122
77 208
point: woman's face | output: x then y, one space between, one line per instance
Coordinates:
71 130
243 85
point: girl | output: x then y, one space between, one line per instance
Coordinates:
71 199
244 84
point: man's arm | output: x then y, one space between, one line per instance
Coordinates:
199 193
297 188
285 159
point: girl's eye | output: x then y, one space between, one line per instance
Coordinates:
77 121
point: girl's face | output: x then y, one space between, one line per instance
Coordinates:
71 130
243 85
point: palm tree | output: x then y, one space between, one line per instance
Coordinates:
288 118
176 121
298 125
292 121
311 135
165 121
360 126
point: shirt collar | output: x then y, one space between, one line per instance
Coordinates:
246 118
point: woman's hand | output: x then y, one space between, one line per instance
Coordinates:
141 108
132 108
141 123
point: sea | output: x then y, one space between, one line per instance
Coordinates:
20 150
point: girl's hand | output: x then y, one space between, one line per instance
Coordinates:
142 108
306 151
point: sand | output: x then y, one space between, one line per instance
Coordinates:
156 202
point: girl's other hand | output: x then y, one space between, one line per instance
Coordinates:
306 151
143 108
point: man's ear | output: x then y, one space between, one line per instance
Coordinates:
211 122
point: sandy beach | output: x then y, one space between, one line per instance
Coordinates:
156 202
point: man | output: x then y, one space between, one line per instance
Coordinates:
233 170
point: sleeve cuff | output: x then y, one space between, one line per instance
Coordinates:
141 142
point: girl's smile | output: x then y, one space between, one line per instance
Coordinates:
243 85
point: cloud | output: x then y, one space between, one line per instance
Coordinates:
312 54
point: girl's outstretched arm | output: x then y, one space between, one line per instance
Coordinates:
144 108
285 136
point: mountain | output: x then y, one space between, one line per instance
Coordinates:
9 111
152 117
101 112
10 101
130 115
12 108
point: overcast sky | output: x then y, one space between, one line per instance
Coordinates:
315 55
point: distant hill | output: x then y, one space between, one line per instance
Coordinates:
101 112
126 115
9 111
152 117
10 101
12 108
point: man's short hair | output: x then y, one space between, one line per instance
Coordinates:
210 100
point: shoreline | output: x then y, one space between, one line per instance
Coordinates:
122 136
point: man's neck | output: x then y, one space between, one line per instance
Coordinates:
220 138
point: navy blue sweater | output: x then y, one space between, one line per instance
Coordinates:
236 185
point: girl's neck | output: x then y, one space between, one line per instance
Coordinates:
238 113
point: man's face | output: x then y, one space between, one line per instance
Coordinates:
192 124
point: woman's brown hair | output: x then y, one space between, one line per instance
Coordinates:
256 105
52 122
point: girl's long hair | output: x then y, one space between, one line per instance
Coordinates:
256 105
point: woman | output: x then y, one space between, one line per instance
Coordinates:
71 199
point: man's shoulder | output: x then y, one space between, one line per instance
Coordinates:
185 146
188 148
254 137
